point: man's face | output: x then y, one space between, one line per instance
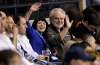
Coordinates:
2 23
22 26
81 62
58 20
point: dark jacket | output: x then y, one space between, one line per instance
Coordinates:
54 41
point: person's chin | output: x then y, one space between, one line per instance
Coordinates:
59 27
23 33
42 30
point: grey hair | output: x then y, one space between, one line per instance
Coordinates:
53 11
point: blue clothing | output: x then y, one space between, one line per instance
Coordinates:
36 40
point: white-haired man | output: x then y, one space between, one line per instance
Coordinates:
57 30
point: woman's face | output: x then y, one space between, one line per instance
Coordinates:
10 23
41 26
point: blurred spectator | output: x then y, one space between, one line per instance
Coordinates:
4 39
83 45
77 56
6 43
23 45
10 24
79 26
91 40
11 30
9 57
92 16
3 21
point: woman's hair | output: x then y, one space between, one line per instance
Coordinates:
34 25
6 56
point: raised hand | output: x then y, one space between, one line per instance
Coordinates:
35 6
68 23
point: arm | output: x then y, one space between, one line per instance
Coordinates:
66 28
52 37
33 8
57 38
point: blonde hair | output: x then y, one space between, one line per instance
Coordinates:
9 18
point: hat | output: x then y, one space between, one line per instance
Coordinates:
78 53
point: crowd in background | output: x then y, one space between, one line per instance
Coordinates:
71 38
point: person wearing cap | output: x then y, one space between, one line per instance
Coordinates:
77 56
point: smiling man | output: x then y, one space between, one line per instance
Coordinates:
57 31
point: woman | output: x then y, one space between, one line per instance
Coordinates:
34 32
40 25
11 29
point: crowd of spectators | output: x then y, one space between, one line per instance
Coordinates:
71 38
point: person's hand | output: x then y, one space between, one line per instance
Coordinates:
40 57
35 7
43 57
67 22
